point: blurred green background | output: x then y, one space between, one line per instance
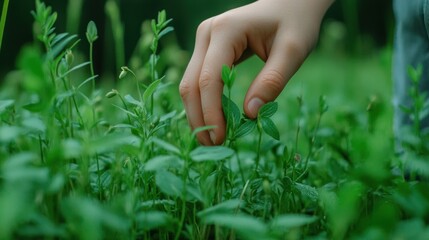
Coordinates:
365 24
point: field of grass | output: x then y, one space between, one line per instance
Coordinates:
117 160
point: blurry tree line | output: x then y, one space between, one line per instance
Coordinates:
359 18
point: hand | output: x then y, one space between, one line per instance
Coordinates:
280 32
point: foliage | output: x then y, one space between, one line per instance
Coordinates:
88 163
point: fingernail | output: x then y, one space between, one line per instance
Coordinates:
254 105
212 137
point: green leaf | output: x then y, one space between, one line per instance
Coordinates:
162 16
5 104
212 153
225 75
130 99
169 183
166 146
307 191
268 109
270 128
233 115
165 31
245 128
88 217
153 26
248 227
9 133
150 90
75 68
228 206
202 129
111 142
71 148
288 221
163 162
153 220
34 124
60 46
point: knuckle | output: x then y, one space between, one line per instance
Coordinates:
203 27
220 22
184 89
205 80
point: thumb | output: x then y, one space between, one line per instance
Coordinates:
280 66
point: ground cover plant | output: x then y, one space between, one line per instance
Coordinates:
80 160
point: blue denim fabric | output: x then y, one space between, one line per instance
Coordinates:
411 49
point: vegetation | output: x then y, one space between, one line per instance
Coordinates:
88 161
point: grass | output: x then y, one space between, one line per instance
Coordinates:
120 162
3 20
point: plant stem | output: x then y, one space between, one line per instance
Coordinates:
91 45
3 20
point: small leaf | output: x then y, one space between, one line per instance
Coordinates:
268 109
153 219
248 227
288 221
71 148
111 142
202 129
4 104
163 162
233 115
153 25
213 153
129 99
225 75
162 16
150 90
165 31
307 191
9 133
166 146
245 128
169 183
224 207
270 128
60 46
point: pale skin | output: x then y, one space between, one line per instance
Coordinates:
280 32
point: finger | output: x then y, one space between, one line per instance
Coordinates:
285 57
224 48
189 86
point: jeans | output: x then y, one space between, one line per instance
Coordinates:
411 49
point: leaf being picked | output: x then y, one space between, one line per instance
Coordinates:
268 109
269 127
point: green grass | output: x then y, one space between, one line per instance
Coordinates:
120 162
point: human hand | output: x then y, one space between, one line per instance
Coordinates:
280 32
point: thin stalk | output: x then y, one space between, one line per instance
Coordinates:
153 79
3 20
100 189
125 106
91 46
312 141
